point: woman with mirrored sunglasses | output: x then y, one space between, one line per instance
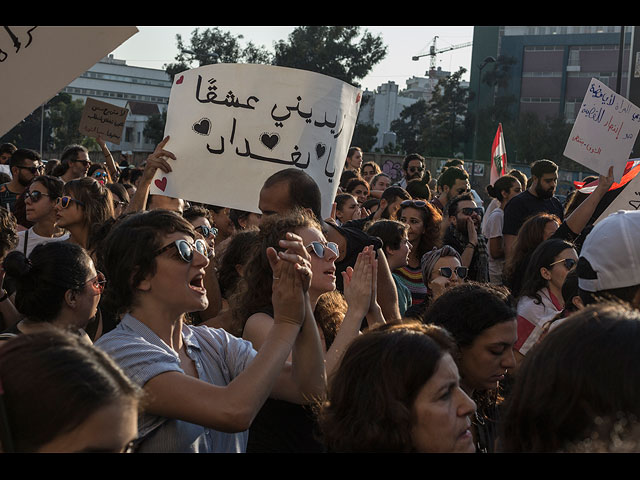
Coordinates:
204 385
441 269
282 426
100 173
40 201
83 209
57 285
541 298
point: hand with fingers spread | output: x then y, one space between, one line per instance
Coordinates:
298 255
358 283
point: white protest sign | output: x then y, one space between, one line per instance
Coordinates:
37 62
232 126
604 131
628 199
101 119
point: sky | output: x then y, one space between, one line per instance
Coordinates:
154 46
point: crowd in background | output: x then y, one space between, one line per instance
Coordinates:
413 318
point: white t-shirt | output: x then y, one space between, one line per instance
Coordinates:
35 239
493 229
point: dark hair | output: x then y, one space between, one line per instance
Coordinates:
576 197
346 176
54 185
196 211
237 252
8 148
391 232
394 191
540 167
254 289
371 394
71 152
354 182
352 150
570 290
542 256
450 175
408 158
431 219
98 204
468 309
530 235
583 370
341 199
136 238
370 203
375 179
53 381
50 166
376 167
419 189
8 232
20 155
452 207
503 184
43 279
522 178
303 190
120 191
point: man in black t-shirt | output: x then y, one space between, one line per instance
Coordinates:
539 197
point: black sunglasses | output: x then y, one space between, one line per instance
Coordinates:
207 231
461 272
569 263
470 210
319 249
35 196
186 249
33 170
416 169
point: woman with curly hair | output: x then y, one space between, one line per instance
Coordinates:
424 222
397 390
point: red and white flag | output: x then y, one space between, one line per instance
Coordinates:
498 157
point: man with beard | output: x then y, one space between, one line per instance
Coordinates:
390 202
539 197
412 169
25 164
463 234
452 182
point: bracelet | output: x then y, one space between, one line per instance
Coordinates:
5 296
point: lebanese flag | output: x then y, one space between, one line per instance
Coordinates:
630 171
498 157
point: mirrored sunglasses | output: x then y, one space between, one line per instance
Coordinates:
414 203
319 249
33 170
65 201
100 174
461 272
186 249
569 263
207 231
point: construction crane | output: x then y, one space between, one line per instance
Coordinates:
433 52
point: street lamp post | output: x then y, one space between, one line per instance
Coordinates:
483 64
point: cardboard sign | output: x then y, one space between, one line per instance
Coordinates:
231 126
37 62
604 131
101 119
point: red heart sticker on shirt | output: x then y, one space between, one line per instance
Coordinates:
180 80
161 184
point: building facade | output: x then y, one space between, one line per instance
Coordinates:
144 91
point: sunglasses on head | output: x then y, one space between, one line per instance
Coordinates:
35 195
33 170
461 272
186 249
414 203
207 231
319 249
470 210
569 263
65 201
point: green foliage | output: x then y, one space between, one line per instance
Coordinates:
364 136
65 116
154 128
335 51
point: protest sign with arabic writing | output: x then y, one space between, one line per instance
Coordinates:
101 119
605 130
37 62
231 126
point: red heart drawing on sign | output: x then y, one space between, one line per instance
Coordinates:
180 80
161 184
358 98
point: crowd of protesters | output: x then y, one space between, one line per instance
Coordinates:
414 318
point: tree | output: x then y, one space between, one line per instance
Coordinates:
364 136
335 51
212 45
65 115
410 127
154 128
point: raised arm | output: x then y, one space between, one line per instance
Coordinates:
580 217
112 168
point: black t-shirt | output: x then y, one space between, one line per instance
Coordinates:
523 206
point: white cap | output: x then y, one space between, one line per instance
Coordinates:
612 249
